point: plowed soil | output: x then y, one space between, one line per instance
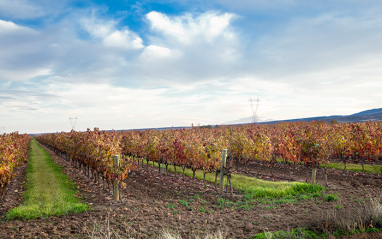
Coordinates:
152 203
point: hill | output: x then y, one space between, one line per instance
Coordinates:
363 116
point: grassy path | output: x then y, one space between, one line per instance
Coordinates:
48 191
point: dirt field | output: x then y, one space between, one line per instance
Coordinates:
153 202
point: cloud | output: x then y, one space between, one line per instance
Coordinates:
188 29
123 39
199 65
6 97
20 9
6 27
109 35
22 54
320 46
153 51
34 10
203 45
24 108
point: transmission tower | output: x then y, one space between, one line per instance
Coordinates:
73 122
254 109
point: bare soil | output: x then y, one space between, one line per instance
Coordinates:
153 202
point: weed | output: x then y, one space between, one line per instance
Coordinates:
293 234
304 197
331 197
359 200
316 194
184 202
197 195
224 203
202 209
269 207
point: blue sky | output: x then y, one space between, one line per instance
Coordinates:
136 64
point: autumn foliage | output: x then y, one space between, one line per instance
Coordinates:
14 151
197 148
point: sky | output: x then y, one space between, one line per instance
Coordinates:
127 64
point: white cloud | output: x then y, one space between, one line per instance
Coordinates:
203 45
123 39
188 29
107 31
153 52
10 28
6 27
97 27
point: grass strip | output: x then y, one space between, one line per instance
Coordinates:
257 188
48 191
350 167
355 167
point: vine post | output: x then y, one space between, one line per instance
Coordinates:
116 186
314 173
223 164
162 165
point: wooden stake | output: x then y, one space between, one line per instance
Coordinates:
116 186
314 172
223 164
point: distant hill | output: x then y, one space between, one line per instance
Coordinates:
367 115
363 116
370 112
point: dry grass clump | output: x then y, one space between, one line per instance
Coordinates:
367 215
104 229
166 234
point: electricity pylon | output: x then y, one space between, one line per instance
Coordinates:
73 122
254 109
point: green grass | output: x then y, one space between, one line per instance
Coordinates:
350 167
257 188
331 197
48 191
355 167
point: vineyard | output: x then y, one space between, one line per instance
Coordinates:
310 144
156 194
